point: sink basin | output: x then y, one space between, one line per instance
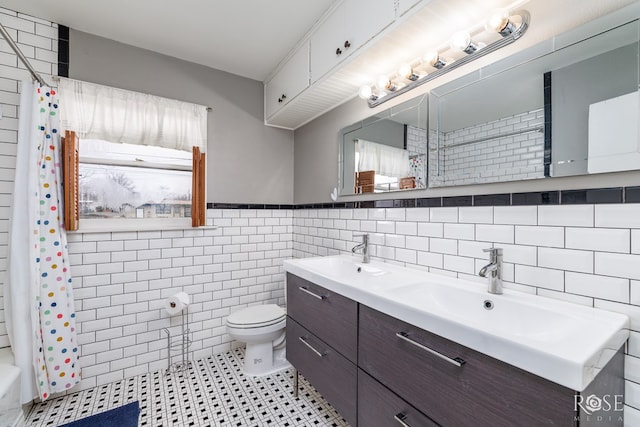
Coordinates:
345 272
563 342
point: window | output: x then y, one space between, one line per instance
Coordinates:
135 157
389 163
133 181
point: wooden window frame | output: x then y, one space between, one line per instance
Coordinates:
71 183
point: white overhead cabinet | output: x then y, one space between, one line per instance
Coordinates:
304 86
348 28
290 81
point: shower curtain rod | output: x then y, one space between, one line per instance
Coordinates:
21 56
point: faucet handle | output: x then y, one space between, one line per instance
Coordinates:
364 236
493 250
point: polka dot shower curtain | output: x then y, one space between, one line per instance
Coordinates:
38 295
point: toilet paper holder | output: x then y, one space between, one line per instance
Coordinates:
180 343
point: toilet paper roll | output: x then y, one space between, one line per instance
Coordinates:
176 303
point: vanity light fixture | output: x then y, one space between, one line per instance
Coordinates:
433 59
385 84
406 71
500 23
462 41
366 92
510 25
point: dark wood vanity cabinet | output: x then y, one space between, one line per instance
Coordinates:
322 342
379 371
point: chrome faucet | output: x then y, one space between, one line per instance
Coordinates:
495 269
364 247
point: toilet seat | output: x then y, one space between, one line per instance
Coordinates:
258 316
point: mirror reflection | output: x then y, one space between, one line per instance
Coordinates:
488 131
386 152
489 126
566 106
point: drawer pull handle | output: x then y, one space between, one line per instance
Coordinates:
303 289
455 361
304 341
400 419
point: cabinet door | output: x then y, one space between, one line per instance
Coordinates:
333 318
365 19
290 81
327 44
327 370
482 389
405 5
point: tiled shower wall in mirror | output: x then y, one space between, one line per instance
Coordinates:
509 149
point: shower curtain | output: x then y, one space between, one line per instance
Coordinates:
38 296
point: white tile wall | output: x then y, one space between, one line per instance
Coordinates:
507 158
559 252
119 304
38 40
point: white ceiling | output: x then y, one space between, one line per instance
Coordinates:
248 38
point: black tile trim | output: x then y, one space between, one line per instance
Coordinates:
547 123
457 201
632 195
63 51
492 200
211 205
431 202
589 196
534 198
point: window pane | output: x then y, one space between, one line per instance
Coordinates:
108 191
99 149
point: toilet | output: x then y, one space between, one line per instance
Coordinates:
262 328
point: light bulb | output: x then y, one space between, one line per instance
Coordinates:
499 22
462 41
385 84
433 58
406 71
365 92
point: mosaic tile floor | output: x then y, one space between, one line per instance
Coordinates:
214 392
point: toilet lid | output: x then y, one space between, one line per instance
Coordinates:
257 316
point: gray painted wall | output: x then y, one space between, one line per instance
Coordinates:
248 162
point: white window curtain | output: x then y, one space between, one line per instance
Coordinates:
117 115
384 159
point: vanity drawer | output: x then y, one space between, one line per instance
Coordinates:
482 389
330 373
380 407
330 316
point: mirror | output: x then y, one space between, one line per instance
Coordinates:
550 110
385 152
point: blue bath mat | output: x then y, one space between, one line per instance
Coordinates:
124 416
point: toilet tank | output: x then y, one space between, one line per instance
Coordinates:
11 414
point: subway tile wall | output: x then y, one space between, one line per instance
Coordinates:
493 158
584 254
38 40
121 281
